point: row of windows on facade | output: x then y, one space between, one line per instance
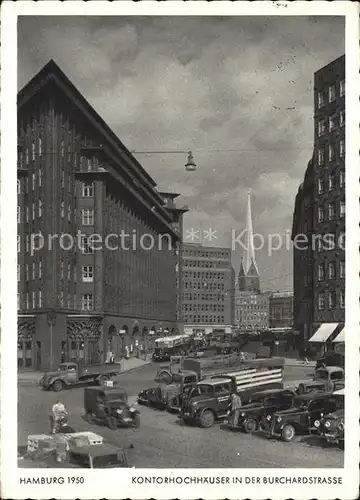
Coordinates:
328 241
87 272
254 315
202 263
331 124
86 244
251 307
200 253
203 296
331 212
87 214
87 188
34 300
331 182
204 319
202 275
36 149
203 307
332 92
197 285
331 152
331 297
331 271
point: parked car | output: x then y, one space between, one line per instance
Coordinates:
325 378
109 405
300 418
70 374
256 414
331 358
332 425
100 456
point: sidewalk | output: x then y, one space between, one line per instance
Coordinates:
126 365
298 362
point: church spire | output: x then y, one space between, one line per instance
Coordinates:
250 261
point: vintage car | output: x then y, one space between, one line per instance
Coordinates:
255 415
332 425
300 418
100 456
109 406
325 378
331 358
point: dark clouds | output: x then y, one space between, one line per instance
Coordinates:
201 84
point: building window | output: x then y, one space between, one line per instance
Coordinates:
40 146
332 299
321 301
342 269
33 300
33 211
62 298
331 211
27 300
40 176
27 272
87 246
331 152
62 147
321 272
18 272
87 274
332 93
18 242
27 214
88 189
342 118
332 182
40 298
62 210
342 299
40 208
33 151
69 213
342 178
342 208
332 270
87 217
321 214
33 271
18 301
62 178
18 214
18 187
332 122
342 148
321 127
321 156
320 99
342 88
87 302
33 181
40 269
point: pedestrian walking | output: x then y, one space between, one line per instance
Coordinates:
235 409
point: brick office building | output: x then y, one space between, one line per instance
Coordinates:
281 310
328 205
104 292
207 289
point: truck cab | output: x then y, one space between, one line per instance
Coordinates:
326 378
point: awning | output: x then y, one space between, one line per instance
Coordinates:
340 337
324 332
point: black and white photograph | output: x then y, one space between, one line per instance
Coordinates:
182 202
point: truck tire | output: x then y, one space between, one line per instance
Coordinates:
301 389
207 419
137 421
112 423
250 425
57 385
288 433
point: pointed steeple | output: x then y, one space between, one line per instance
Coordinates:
253 271
250 251
242 268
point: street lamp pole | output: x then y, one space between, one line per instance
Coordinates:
51 319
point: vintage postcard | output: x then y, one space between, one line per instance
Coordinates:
179 305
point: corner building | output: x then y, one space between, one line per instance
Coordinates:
81 296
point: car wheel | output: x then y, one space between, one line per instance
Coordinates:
137 421
207 419
57 386
112 423
103 379
288 433
250 425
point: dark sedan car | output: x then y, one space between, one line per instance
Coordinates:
263 404
300 418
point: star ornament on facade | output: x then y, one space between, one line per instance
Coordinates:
210 234
192 234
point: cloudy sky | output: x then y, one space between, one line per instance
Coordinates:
237 91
